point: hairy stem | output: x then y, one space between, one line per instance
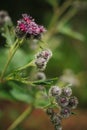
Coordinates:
20 119
11 54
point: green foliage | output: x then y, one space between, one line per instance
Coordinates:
41 100
47 82
20 59
66 30
62 37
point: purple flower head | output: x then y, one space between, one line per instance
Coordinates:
28 27
65 112
62 101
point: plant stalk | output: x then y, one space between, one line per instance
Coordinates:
11 54
20 119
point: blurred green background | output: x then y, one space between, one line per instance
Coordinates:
69 60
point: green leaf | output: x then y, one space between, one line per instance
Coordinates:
21 96
73 113
19 59
41 100
8 33
6 95
3 58
66 30
20 92
46 82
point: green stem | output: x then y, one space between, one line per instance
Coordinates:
11 54
56 15
54 18
26 66
20 119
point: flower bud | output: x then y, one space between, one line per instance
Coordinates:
50 112
55 91
65 112
40 63
5 18
73 102
46 54
56 119
40 76
58 127
62 101
67 91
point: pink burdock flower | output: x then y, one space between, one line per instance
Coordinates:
28 27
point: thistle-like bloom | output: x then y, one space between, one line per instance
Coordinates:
28 27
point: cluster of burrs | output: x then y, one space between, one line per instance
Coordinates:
42 58
66 103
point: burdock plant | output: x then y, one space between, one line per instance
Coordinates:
23 82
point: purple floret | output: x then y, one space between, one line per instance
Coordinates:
28 27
